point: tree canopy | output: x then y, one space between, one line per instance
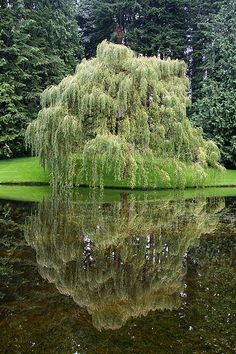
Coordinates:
121 113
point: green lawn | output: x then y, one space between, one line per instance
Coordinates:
227 178
22 170
27 171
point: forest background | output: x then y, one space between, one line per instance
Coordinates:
41 42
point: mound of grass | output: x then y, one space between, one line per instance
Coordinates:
23 170
27 171
214 178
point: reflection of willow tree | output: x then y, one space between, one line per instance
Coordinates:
119 260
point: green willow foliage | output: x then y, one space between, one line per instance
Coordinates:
119 260
123 114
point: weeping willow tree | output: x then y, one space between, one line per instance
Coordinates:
119 260
122 115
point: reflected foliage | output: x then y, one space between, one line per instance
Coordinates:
12 217
211 303
119 260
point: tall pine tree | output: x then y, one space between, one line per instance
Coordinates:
214 108
198 14
106 19
149 27
39 44
160 28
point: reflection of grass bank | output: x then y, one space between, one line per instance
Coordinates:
27 171
38 193
24 193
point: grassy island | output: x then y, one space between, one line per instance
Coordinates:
25 171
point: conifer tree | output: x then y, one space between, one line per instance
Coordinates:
198 15
150 27
215 108
122 114
39 46
101 20
160 28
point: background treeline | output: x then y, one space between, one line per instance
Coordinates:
39 45
42 40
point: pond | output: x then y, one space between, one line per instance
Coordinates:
118 272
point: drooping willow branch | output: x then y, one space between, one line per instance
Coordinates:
122 115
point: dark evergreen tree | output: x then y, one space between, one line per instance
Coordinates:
215 108
106 19
160 28
198 13
39 45
149 27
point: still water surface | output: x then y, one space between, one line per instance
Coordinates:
126 274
